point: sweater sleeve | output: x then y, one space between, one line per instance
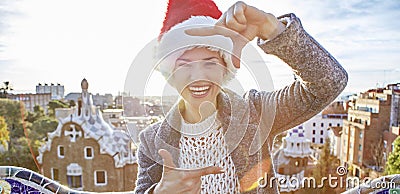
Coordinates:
145 183
320 78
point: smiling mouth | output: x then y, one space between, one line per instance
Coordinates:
200 90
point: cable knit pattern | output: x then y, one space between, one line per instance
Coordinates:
247 124
202 145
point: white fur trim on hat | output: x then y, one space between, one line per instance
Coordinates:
175 42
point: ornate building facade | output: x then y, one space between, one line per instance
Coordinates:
87 153
292 159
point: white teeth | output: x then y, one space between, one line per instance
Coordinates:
199 88
199 93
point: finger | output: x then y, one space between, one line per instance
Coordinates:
250 33
203 31
204 171
211 31
237 53
239 42
232 23
167 159
238 12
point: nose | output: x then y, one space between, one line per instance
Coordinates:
198 72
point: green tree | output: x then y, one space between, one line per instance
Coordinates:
37 113
4 89
56 104
72 103
42 126
20 155
4 133
11 111
22 149
393 162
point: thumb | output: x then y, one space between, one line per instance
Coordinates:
239 42
167 159
236 55
202 31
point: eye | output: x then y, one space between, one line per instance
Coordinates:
183 64
211 63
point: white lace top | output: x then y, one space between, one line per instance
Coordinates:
202 145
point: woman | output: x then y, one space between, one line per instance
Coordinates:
213 140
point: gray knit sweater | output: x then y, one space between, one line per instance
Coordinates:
250 122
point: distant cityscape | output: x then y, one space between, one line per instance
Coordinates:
360 130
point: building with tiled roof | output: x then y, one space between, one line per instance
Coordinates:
292 159
87 153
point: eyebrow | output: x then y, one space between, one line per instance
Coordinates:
205 59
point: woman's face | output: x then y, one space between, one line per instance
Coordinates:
198 76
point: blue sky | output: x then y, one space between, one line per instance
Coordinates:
47 41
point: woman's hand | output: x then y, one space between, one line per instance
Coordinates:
176 180
250 22
242 23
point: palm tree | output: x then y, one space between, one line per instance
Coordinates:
4 89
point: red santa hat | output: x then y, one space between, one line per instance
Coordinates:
173 41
